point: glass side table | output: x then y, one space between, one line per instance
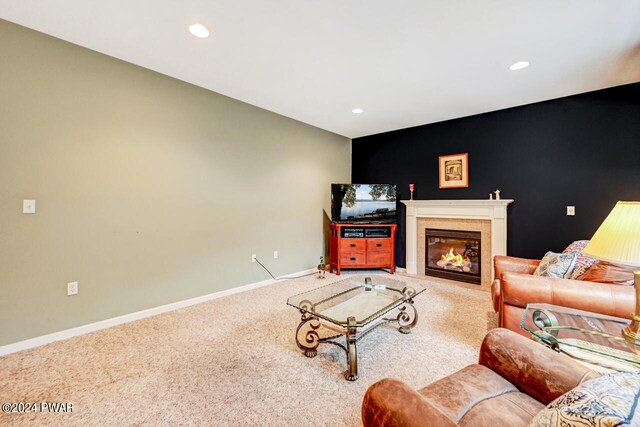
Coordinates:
589 338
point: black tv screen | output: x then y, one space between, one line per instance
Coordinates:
373 203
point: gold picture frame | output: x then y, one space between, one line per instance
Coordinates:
454 170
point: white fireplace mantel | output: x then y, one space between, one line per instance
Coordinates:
493 210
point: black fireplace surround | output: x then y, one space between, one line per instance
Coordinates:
453 254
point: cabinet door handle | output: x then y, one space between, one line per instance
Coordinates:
352 258
379 245
353 245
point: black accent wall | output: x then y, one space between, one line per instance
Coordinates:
582 150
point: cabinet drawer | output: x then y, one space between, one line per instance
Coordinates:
379 258
379 245
353 259
353 245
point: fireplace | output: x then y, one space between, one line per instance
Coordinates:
453 254
489 217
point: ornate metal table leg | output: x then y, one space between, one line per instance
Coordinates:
407 319
352 353
546 321
308 327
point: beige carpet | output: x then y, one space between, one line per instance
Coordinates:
234 361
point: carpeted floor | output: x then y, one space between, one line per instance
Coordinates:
234 361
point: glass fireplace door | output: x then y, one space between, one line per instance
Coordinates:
453 254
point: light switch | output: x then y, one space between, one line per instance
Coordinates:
29 206
72 288
571 210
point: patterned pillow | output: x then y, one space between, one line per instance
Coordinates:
609 400
583 262
556 265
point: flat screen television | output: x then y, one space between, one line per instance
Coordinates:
363 203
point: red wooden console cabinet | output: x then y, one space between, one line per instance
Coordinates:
362 246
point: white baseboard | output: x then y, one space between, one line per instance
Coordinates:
401 269
108 323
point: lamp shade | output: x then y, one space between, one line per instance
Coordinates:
618 238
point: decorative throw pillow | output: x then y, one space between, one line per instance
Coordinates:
556 265
583 262
606 272
609 400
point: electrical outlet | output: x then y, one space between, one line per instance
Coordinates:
254 257
275 254
29 206
72 288
571 210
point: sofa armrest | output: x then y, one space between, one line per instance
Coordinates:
495 295
391 403
503 264
612 300
533 368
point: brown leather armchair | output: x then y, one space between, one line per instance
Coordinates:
514 379
515 286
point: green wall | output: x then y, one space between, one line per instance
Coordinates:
149 190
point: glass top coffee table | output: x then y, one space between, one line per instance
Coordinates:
591 338
353 307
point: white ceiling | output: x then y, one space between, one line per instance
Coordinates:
405 62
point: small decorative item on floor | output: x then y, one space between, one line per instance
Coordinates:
411 187
497 194
322 268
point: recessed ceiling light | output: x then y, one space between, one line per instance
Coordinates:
357 110
199 31
519 65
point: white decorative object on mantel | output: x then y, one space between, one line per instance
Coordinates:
493 210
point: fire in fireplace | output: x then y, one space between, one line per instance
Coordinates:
452 254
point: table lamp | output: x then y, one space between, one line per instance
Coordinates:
618 241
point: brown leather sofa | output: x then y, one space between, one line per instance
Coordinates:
514 379
515 286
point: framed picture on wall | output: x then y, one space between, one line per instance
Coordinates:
454 170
